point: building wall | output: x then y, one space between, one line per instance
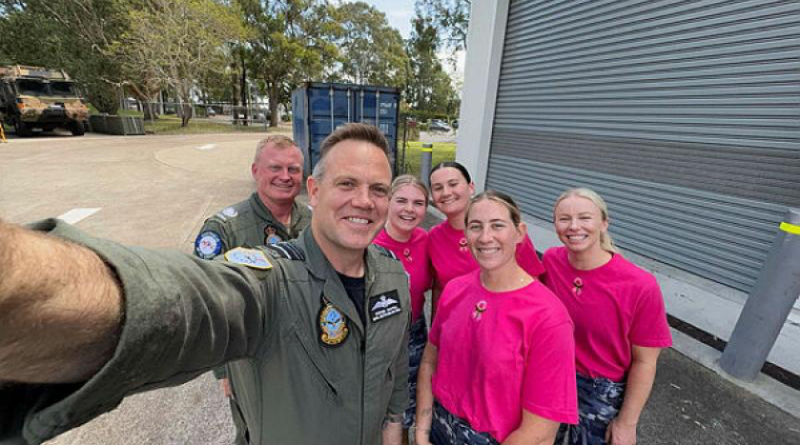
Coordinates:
683 115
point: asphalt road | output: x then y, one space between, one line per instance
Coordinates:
156 191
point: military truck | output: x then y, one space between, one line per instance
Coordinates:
40 98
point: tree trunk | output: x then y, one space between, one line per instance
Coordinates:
272 93
234 98
243 90
186 113
149 115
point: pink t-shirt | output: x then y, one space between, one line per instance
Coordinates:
500 352
451 257
614 306
414 255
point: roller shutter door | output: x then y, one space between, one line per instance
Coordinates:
685 115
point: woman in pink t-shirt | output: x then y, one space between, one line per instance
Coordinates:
403 236
451 189
619 316
499 366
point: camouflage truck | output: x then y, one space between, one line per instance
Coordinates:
39 98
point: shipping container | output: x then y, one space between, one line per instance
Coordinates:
320 108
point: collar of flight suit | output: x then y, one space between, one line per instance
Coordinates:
319 266
263 211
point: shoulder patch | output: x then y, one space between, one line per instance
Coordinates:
230 212
287 250
386 252
248 257
207 245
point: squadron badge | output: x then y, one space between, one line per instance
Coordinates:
271 236
207 245
332 325
248 257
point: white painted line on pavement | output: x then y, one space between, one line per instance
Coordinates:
75 215
207 147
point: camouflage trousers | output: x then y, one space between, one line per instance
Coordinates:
448 429
417 338
599 401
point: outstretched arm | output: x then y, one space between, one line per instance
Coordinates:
60 309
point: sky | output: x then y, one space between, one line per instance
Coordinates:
398 12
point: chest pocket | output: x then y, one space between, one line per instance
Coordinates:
317 366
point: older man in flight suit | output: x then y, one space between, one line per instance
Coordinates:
319 322
271 215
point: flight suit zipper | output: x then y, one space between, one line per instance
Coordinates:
363 380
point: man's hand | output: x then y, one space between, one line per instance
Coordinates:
620 433
393 429
60 309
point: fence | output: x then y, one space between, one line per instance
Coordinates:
166 117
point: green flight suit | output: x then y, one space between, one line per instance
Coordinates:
247 224
184 316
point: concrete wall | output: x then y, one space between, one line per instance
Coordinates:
485 39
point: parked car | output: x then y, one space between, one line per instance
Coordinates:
437 125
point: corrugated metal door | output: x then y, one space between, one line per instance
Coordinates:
685 115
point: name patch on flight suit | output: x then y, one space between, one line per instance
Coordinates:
384 306
332 325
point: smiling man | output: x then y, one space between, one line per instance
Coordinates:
269 216
317 326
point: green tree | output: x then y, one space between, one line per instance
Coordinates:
372 52
175 43
449 17
429 87
293 42
74 35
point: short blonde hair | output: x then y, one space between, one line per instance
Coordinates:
606 243
404 180
276 140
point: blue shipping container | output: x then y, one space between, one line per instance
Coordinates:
319 108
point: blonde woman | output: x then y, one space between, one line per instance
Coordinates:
619 316
402 235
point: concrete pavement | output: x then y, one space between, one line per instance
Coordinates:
156 191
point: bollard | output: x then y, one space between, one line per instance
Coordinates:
768 305
425 164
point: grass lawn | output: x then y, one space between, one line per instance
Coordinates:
442 151
172 125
